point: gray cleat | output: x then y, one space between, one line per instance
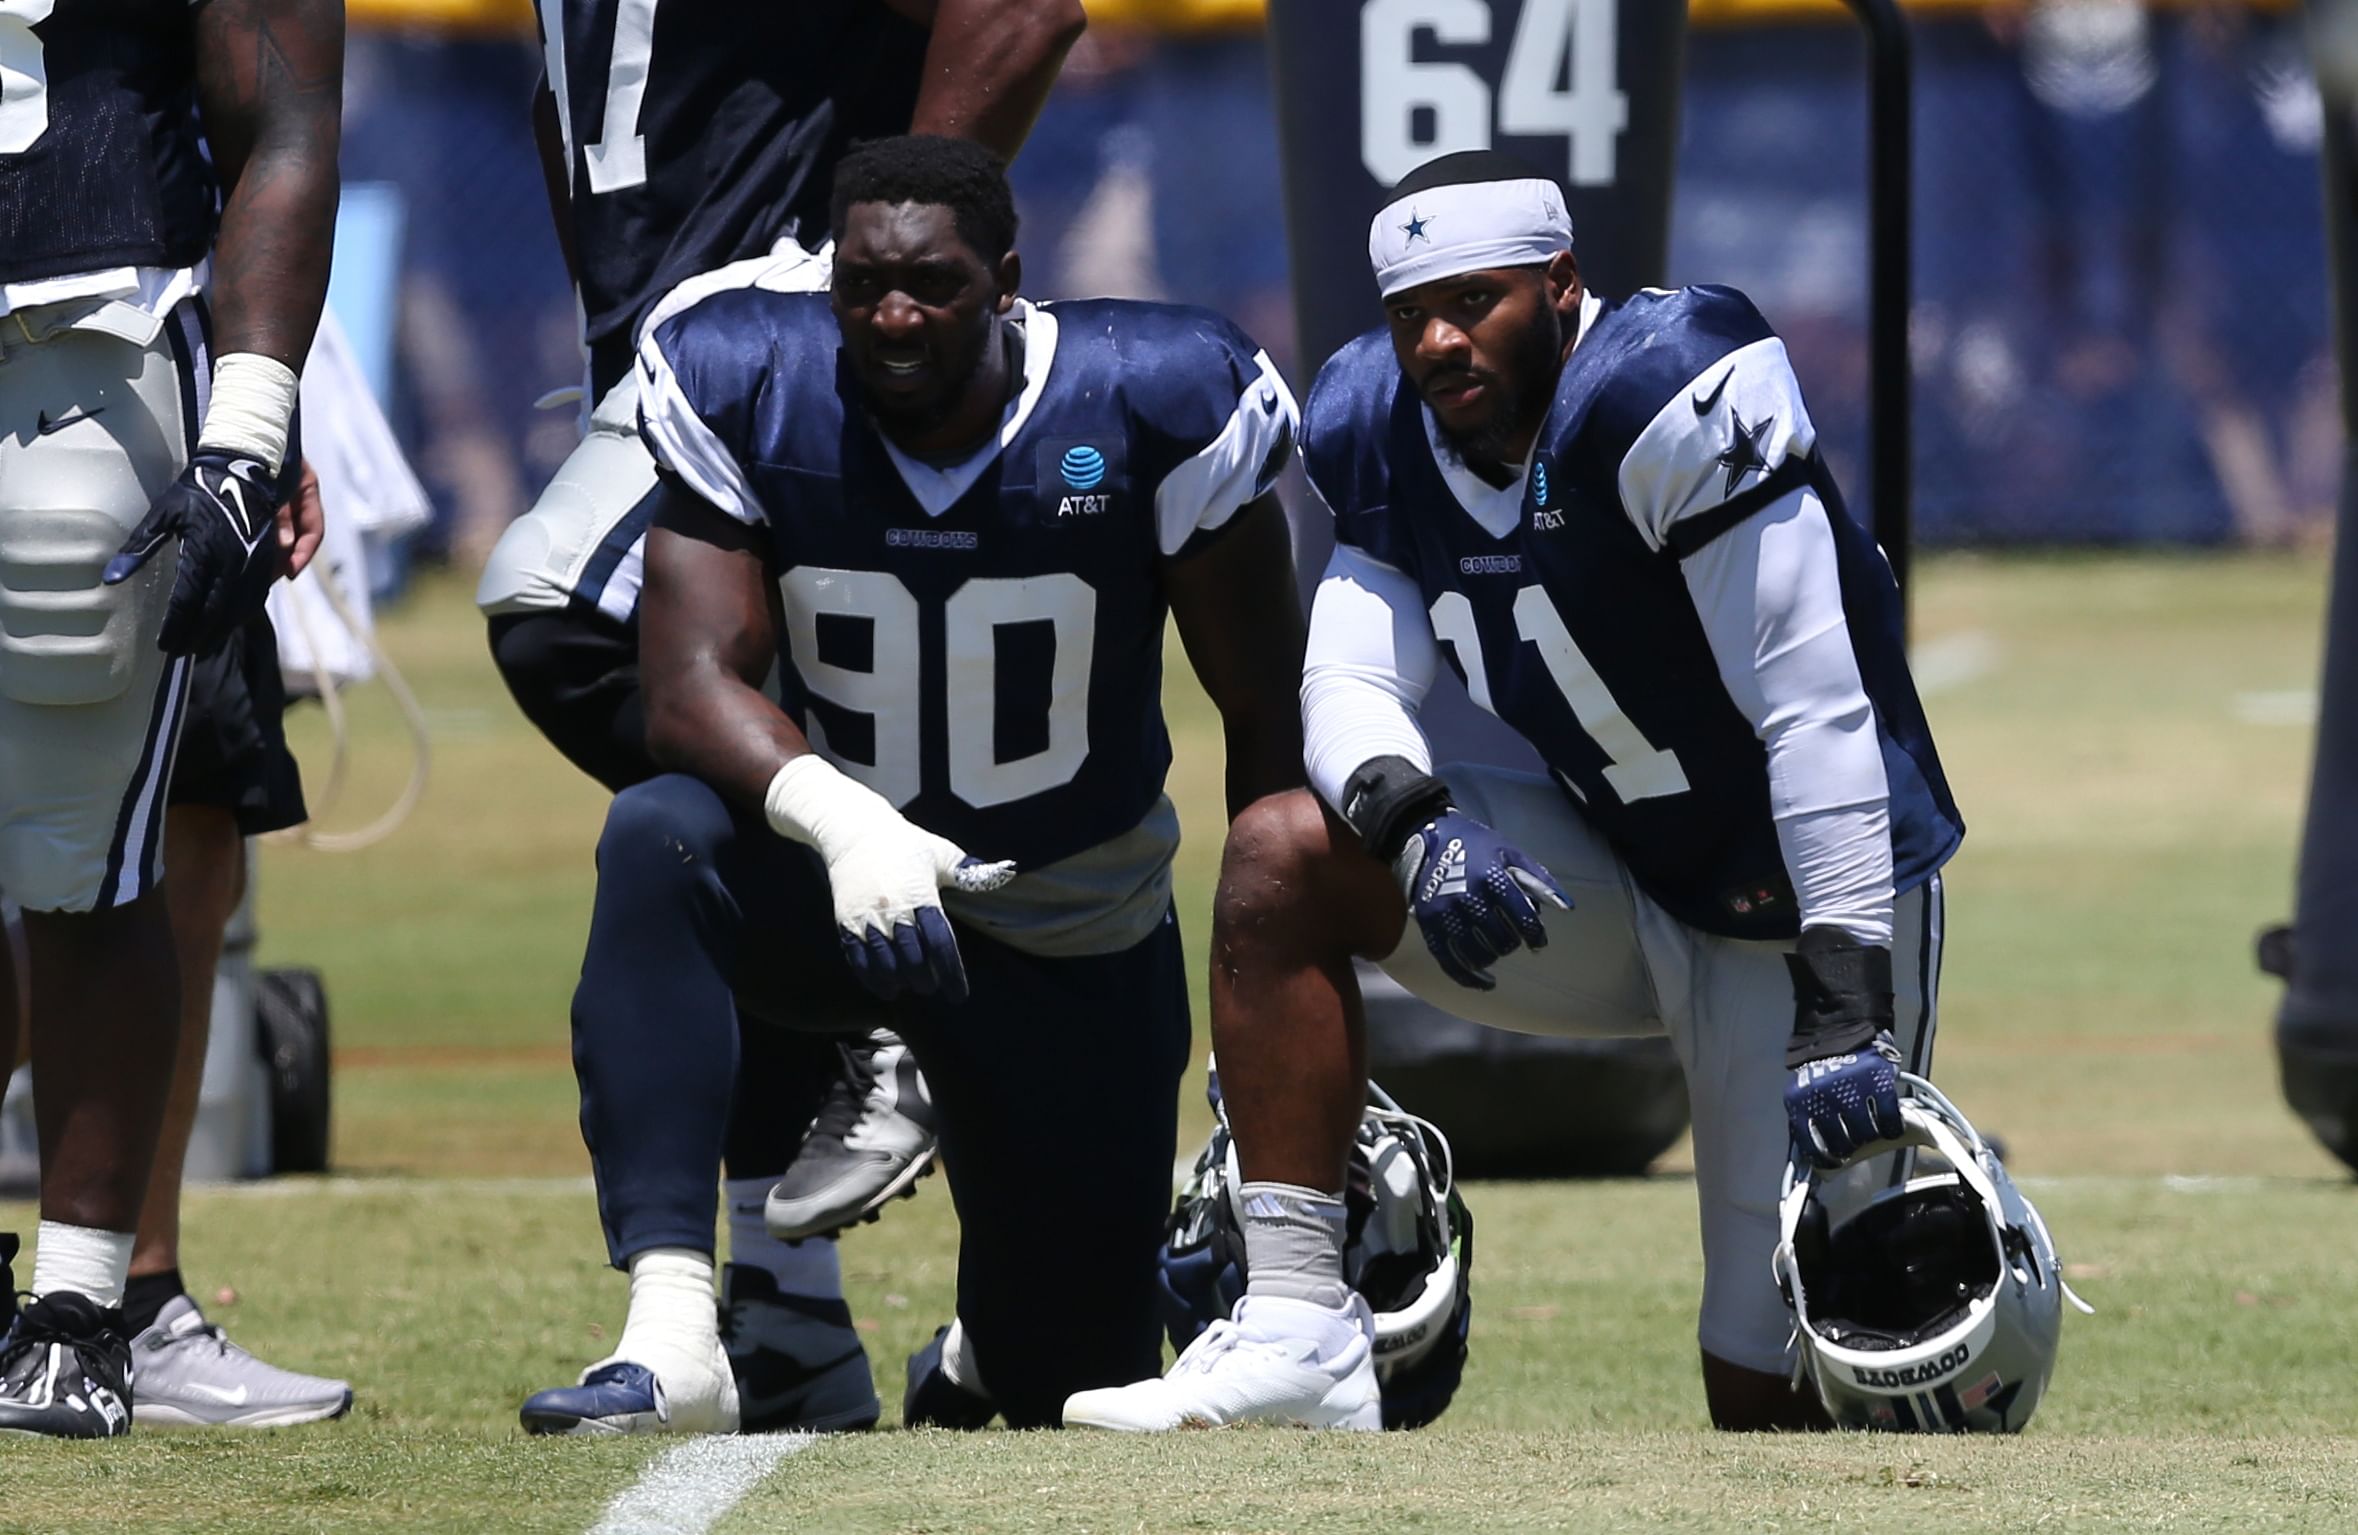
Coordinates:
188 1375
872 1140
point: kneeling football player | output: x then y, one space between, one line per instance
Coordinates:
944 527
1613 515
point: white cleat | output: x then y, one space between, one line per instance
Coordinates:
1279 1361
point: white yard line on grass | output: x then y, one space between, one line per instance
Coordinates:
690 1487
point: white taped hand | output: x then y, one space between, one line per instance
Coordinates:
886 876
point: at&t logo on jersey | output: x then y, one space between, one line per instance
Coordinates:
1544 516
1078 480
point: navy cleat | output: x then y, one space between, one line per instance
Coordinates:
616 1398
65 1371
797 1360
622 1396
934 1400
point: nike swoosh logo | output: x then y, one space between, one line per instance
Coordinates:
1704 402
43 426
235 1398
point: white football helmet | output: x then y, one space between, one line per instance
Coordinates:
1936 1306
1409 1252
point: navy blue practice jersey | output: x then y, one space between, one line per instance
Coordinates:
1562 606
101 161
699 132
982 643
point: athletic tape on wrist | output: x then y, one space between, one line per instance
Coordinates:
252 405
809 801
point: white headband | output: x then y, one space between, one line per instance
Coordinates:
1469 227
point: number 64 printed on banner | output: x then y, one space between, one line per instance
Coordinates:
1412 110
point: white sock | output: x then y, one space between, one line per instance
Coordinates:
82 1259
958 1361
1294 1243
672 1328
808 1268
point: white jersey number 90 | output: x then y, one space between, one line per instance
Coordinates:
891 690
1576 39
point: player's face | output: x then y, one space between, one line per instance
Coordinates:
1483 350
917 306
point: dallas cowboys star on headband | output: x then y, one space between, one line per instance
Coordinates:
1466 212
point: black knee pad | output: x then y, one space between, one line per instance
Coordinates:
576 677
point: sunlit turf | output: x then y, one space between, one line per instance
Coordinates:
2108 724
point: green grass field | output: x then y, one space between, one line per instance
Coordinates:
2128 741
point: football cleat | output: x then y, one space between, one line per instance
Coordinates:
797 1362
872 1140
1408 1249
1279 1361
1935 1307
65 1372
617 1396
192 1376
933 1400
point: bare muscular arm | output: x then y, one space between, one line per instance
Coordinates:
1241 622
708 637
270 91
990 65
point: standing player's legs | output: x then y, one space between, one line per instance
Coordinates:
692 903
1057 1085
1729 1005
235 779
92 428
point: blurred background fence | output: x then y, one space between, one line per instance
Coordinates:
2120 331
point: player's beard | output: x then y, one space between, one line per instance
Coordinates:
1523 386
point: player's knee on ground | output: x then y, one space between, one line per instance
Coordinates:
1745 1401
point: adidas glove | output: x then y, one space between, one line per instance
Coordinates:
224 511
1844 1089
1473 894
886 875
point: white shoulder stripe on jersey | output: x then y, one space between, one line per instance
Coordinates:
681 440
1715 439
1208 489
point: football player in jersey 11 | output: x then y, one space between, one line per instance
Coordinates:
677 139
949 525
143 437
1611 517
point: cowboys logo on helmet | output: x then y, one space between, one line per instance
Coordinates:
1408 1249
1935 1306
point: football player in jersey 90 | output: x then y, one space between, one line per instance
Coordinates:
951 524
687 143
1612 515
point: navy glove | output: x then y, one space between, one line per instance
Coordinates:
224 511
1473 895
1844 1090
